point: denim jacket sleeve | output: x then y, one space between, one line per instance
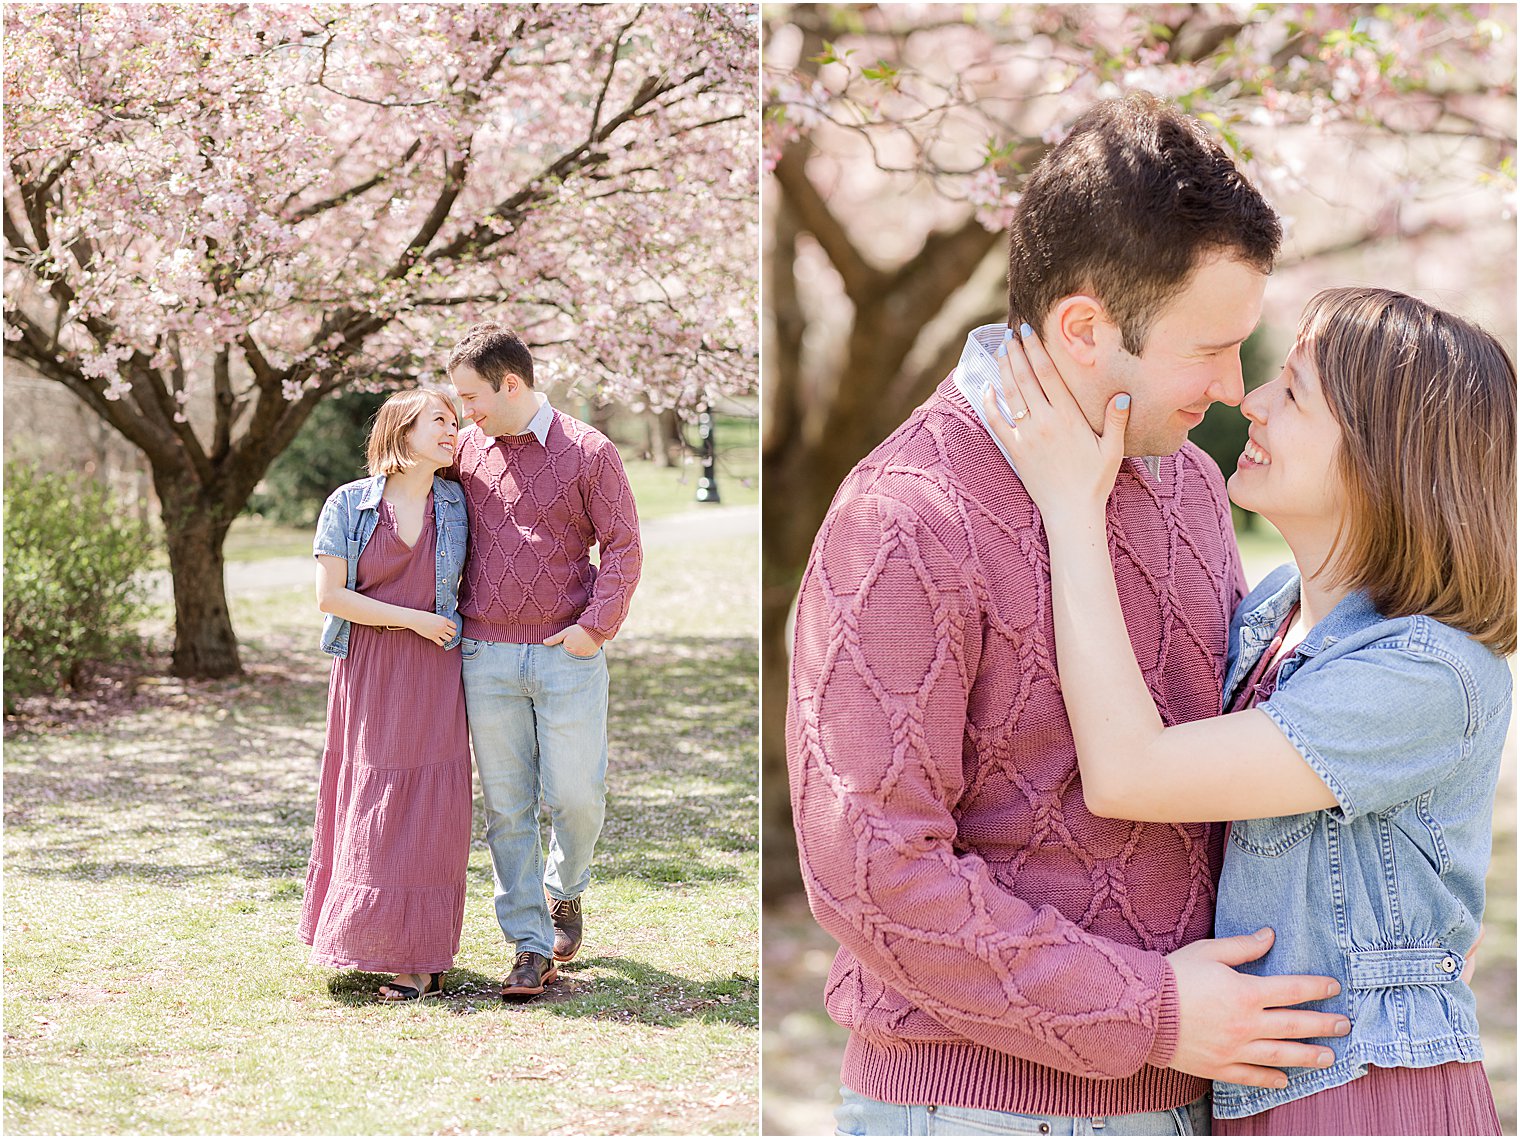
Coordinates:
333 526
1380 724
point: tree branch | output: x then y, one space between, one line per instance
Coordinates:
860 279
221 379
788 325
353 192
40 352
453 183
583 156
612 62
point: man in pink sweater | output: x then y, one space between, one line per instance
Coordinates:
1010 962
540 490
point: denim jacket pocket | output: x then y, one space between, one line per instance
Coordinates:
1274 837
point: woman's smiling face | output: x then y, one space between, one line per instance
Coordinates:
434 435
1288 472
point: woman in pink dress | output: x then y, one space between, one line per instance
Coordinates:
386 883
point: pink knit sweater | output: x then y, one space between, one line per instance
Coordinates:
535 511
1001 948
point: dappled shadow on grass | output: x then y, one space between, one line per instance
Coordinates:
629 990
190 787
682 786
221 777
597 988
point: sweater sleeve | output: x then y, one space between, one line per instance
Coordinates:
620 557
887 639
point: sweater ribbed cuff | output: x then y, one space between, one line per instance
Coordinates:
1164 1047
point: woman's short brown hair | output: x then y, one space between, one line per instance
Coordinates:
388 451
1426 405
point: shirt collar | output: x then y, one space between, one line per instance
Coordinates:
538 426
1353 612
978 370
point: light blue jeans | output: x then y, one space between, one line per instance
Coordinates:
862 1115
538 723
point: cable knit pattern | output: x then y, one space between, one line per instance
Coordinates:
535 512
1001 947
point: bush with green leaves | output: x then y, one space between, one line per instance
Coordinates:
73 591
327 452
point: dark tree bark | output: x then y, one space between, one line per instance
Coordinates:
204 643
811 442
670 438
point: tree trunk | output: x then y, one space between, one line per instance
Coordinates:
599 415
670 448
816 432
782 877
194 530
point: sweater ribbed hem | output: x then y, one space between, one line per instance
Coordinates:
512 634
966 1075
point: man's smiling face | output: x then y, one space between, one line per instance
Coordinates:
1191 357
482 405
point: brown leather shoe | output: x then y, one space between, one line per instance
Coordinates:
567 927
530 973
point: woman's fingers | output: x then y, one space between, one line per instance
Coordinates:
1115 420
1044 371
1013 365
999 421
1012 403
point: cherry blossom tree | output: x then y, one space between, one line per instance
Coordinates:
218 214
896 139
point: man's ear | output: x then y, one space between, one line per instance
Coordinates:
1079 324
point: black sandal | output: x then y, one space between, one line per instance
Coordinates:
400 993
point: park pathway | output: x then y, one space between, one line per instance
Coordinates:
268 575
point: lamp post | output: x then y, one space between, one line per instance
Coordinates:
707 485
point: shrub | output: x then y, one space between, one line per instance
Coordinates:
327 452
72 586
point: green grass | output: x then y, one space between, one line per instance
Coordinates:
660 491
155 853
251 538
1262 548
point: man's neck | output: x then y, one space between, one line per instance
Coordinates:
522 412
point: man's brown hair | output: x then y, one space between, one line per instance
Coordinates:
1426 405
492 350
388 451
1124 209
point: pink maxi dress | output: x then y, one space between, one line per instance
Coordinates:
386 882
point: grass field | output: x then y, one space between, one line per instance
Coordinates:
155 845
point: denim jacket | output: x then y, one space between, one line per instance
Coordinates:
348 521
1404 719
